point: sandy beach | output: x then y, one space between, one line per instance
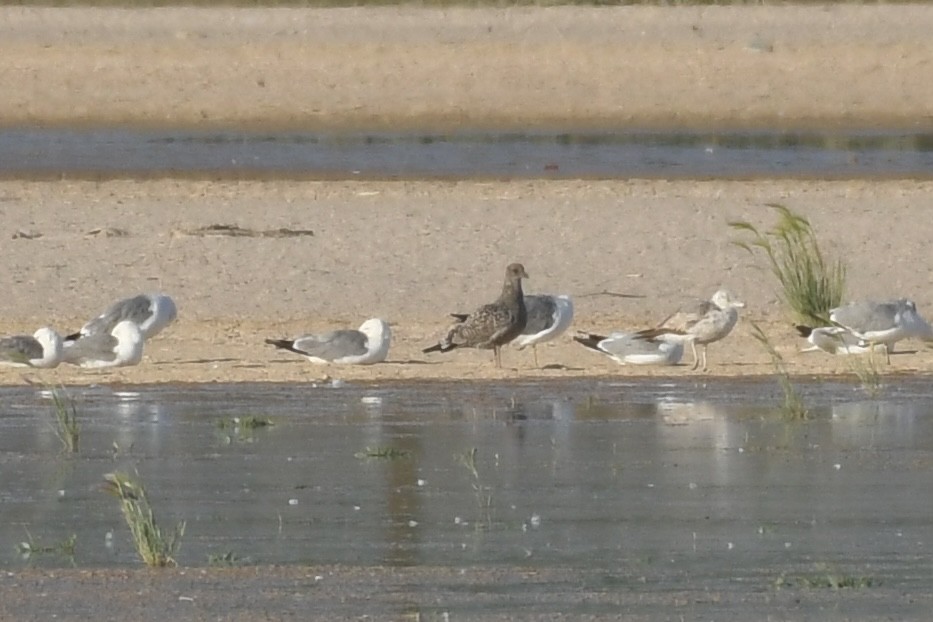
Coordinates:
412 252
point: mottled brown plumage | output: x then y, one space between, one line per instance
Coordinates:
492 325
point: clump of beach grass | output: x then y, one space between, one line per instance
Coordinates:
30 547
482 492
868 372
825 577
65 417
154 548
810 283
382 453
793 407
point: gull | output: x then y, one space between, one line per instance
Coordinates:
492 325
710 321
150 312
834 340
628 347
364 346
882 323
549 317
42 349
121 347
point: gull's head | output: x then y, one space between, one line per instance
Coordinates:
51 343
127 331
376 329
724 300
515 272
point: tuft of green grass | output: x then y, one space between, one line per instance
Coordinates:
811 284
249 422
65 416
828 580
793 407
382 453
154 548
868 372
29 547
225 560
483 493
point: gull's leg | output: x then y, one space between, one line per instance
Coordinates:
705 366
498 356
696 359
534 348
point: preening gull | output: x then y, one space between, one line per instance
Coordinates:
150 312
42 349
629 347
367 345
882 323
121 347
548 317
834 340
492 325
710 321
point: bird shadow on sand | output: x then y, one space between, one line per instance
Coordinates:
198 361
412 362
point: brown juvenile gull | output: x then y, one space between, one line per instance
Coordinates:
492 325
549 317
710 321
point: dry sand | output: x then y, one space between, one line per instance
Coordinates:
413 251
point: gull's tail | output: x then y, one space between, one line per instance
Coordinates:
590 340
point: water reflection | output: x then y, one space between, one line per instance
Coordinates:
610 154
666 480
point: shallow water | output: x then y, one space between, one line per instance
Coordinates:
670 483
610 154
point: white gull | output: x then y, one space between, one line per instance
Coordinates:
150 312
367 345
121 347
710 321
42 349
630 348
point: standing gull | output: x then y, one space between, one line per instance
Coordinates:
710 321
549 317
492 325
150 312
882 323
365 346
629 347
42 349
121 347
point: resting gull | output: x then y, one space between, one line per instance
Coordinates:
882 323
629 347
151 312
834 340
367 345
42 349
492 325
710 321
121 347
549 317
